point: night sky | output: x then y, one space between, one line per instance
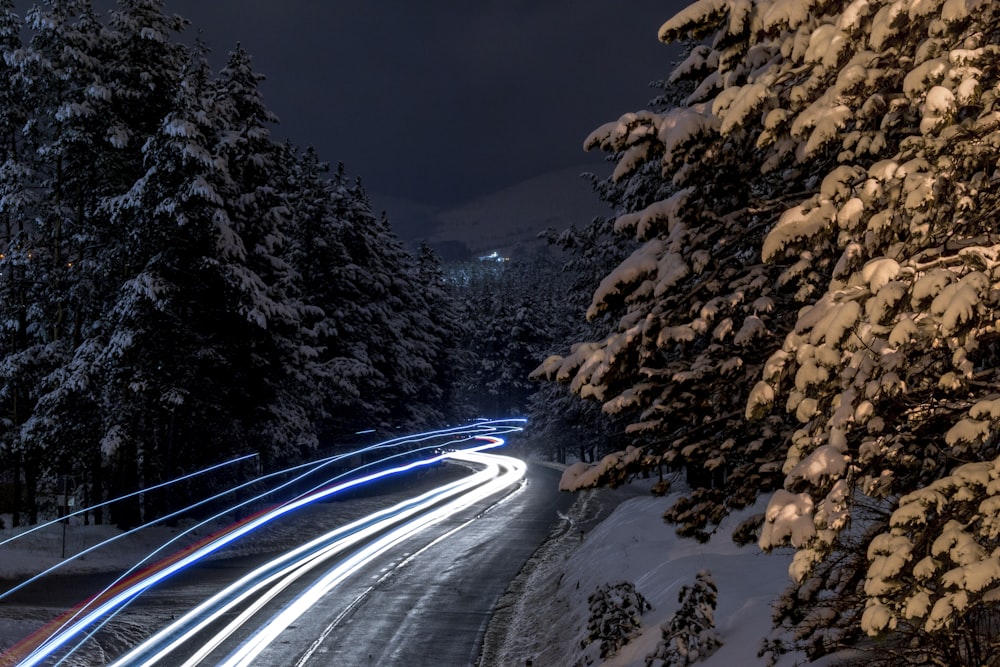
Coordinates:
440 102
435 103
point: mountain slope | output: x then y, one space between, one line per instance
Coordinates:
509 221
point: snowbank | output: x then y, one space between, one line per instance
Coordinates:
548 620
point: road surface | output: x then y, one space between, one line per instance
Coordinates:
425 601
430 609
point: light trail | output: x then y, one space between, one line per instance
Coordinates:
463 433
270 579
114 597
264 636
127 496
501 426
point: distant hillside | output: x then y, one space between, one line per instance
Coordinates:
507 221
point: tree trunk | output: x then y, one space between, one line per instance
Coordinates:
31 470
16 508
127 513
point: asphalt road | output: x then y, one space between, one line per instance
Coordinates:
428 604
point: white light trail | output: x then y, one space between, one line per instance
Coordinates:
264 636
109 601
281 572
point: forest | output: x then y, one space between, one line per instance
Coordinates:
810 318
178 288
795 300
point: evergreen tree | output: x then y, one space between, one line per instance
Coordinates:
89 143
59 76
825 331
689 636
175 305
175 286
273 367
317 254
379 339
377 287
558 421
615 616
691 313
449 360
146 62
17 202
510 328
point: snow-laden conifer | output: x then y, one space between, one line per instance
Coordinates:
689 636
832 160
615 616
252 254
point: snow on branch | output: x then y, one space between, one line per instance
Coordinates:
641 265
694 21
583 475
797 223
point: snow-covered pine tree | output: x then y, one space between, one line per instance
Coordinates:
693 310
615 616
146 61
860 135
317 254
78 136
59 78
146 215
689 636
272 348
514 324
145 67
451 361
17 202
365 303
411 341
63 77
175 304
559 423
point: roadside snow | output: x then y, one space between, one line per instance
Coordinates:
609 536
544 618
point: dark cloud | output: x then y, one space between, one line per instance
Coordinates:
439 102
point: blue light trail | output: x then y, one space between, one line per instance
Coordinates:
126 496
114 597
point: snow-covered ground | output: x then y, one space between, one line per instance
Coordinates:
544 618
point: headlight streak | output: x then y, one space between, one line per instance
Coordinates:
251 648
80 620
499 426
121 607
305 657
313 465
126 601
302 568
279 576
127 496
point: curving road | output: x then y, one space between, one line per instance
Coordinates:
430 607
236 626
412 584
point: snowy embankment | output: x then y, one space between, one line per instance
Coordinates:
545 615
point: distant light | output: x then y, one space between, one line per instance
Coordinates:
494 257
370 430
